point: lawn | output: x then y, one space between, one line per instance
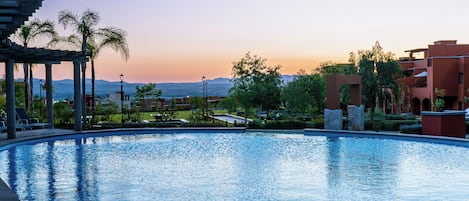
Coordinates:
182 114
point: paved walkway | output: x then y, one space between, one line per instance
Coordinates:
5 193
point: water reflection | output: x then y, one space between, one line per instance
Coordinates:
235 167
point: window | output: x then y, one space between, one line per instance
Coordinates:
461 78
429 62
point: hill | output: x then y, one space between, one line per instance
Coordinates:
63 89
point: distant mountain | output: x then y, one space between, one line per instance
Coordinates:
63 89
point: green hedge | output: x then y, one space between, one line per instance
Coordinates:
412 129
387 125
399 117
281 124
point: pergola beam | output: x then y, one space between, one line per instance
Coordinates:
13 14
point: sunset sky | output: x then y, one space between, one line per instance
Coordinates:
183 40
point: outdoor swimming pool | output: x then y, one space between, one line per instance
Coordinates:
234 166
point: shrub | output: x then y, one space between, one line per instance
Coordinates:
394 125
412 129
399 117
255 124
318 122
281 124
375 125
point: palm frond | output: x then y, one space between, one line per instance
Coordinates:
67 18
115 39
72 41
34 30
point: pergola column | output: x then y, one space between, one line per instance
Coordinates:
10 98
77 95
49 104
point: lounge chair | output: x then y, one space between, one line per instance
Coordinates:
33 122
19 126
3 126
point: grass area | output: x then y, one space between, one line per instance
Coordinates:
182 114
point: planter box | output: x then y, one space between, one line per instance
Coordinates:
448 123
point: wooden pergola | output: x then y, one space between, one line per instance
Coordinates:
13 14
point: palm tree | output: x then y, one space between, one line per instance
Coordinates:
93 39
29 32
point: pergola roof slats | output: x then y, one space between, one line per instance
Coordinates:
9 4
13 13
5 11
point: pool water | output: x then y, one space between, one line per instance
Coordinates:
252 166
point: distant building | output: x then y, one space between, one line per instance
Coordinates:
443 65
116 98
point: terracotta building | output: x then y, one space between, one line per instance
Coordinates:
443 65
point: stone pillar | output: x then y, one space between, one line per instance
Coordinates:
10 98
333 119
356 118
77 95
49 103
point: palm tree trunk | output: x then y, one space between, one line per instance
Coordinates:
26 87
31 84
83 85
93 78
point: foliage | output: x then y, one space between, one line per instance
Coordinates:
196 116
281 124
107 110
379 74
170 114
197 102
91 39
229 103
29 32
62 113
411 129
305 94
255 83
439 104
148 91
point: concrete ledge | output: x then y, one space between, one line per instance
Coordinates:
394 136
444 113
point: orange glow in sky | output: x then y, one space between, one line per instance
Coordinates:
183 40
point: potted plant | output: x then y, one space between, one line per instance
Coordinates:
439 104
443 122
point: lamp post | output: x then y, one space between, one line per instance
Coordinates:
203 95
122 97
206 97
40 89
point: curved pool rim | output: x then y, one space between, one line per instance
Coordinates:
7 144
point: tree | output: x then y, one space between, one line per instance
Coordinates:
379 74
29 32
229 103
92 39
305 94
148 91
255 83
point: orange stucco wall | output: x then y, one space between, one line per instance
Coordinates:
443 62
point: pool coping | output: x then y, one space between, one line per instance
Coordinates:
8 195
463 142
